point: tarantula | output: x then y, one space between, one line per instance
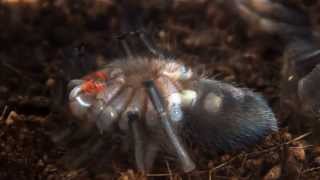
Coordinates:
157 100
146 96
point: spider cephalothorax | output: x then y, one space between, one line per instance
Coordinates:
107 95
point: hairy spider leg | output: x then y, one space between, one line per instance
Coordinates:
157 101
132 18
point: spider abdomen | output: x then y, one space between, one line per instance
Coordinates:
227 118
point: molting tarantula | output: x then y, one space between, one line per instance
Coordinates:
122 97
159 101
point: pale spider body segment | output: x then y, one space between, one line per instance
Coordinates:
217 115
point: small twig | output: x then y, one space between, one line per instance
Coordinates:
280 145
211 170
17 71
243 161
302 147
311 170
3 112
224 164
159 175
299 137
216 167
169 170
284 155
